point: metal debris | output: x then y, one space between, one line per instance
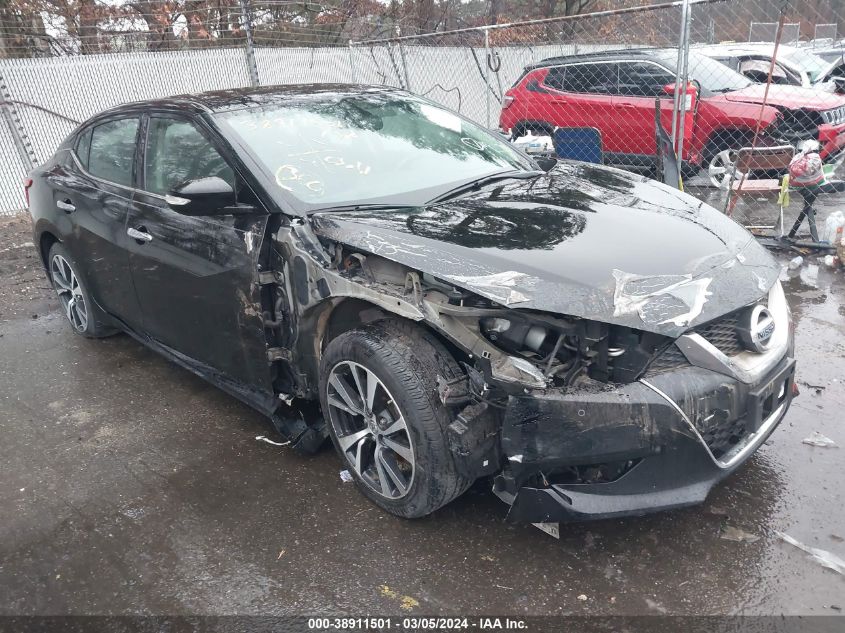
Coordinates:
817 439
822 557
552 529
264 438
345 476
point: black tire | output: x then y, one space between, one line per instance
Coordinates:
95 323
407 360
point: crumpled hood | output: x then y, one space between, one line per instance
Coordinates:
583 240
792 97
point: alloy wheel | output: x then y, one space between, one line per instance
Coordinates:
370 429
722 169
67 287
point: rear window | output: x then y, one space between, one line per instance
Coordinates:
112 151
554 78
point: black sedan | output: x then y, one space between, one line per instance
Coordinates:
363 264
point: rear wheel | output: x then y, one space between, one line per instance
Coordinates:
83 315
378 391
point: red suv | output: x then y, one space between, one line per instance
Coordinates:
615 91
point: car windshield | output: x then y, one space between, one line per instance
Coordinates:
713 75
369 148
811 64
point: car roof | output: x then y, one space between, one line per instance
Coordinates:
600 56
742 48
240 98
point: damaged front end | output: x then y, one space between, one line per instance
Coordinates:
574 418
701 408
586 392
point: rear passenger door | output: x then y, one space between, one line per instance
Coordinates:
94 194
197 276
582 96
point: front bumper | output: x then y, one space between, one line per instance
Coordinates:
657 444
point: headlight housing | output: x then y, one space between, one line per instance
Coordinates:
563 351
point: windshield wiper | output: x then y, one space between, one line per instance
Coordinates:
365 207
486 180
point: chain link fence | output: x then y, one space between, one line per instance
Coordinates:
616 72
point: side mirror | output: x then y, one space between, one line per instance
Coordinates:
669 89
203 196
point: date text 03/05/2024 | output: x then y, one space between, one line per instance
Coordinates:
416 624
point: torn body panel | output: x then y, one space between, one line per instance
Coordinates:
545 396
526 246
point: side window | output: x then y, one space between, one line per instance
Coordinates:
112 151
177 151
83 147
554 78
638 79
591 78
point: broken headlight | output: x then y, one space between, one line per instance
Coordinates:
515 336
565 351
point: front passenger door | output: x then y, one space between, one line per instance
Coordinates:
197 276
641 84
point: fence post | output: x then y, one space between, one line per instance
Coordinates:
404 67
352 63
251 65
678 71
16 129
487 73
685 81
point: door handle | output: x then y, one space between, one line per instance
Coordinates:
65 205
139 235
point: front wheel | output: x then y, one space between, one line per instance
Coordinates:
378 392
722 168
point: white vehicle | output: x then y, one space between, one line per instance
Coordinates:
793 66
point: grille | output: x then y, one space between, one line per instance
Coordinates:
722 334
671 358
721 434
835 116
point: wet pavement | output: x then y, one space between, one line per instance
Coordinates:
131 486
